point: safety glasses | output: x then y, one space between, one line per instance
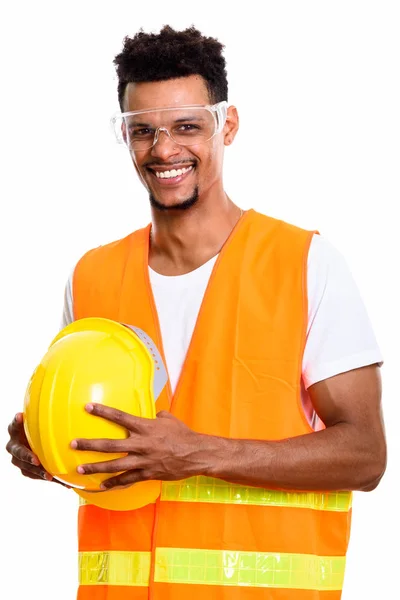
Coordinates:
185 125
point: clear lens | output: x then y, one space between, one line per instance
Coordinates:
186 126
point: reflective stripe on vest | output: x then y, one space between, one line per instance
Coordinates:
114 568
209 489
214 567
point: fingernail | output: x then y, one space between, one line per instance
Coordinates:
74 444
81 470
89 407
35 461
103 486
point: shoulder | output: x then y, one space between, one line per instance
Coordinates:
267 223
327 265
110 257
98 275
328 275
323 251
280 237
105 252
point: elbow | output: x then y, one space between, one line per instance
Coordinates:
375 469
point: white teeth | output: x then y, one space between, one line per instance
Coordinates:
172 173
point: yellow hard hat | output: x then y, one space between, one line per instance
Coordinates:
92 360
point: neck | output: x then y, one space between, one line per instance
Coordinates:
181 241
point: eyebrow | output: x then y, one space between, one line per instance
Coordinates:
138 124
185 119
181 120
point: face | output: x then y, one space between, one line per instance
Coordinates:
200 165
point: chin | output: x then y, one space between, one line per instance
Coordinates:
183 204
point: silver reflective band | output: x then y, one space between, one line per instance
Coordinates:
160 372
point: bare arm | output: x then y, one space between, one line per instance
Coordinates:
350 454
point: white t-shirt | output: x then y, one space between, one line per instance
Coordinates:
339 333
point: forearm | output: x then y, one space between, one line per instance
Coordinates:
332 459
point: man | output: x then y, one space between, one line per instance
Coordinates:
272 413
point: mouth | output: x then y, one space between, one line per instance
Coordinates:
168 177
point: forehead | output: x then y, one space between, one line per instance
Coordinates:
162 94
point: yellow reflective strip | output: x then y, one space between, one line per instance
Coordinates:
114 568
213 567
249 569
208 489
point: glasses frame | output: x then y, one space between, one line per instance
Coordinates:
219 112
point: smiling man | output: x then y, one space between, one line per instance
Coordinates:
272 414
175 181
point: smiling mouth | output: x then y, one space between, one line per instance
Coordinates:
172 176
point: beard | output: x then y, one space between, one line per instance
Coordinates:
184 205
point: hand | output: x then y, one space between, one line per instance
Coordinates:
22 455
163 449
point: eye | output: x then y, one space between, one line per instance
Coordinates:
188 127
140 131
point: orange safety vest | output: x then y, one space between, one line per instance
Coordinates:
204 537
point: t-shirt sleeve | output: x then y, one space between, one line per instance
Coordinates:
340 336
68 309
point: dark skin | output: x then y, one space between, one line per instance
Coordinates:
22 455
350 454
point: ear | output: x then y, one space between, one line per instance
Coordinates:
231 125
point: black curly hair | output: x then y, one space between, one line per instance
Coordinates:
171 54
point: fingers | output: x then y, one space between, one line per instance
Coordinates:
48 477
100 445
17 435
125 479
117 416
22 453
111 466
30 475
34 471
15 426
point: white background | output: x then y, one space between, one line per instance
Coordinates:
317 88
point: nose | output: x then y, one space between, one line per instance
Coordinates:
164 146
